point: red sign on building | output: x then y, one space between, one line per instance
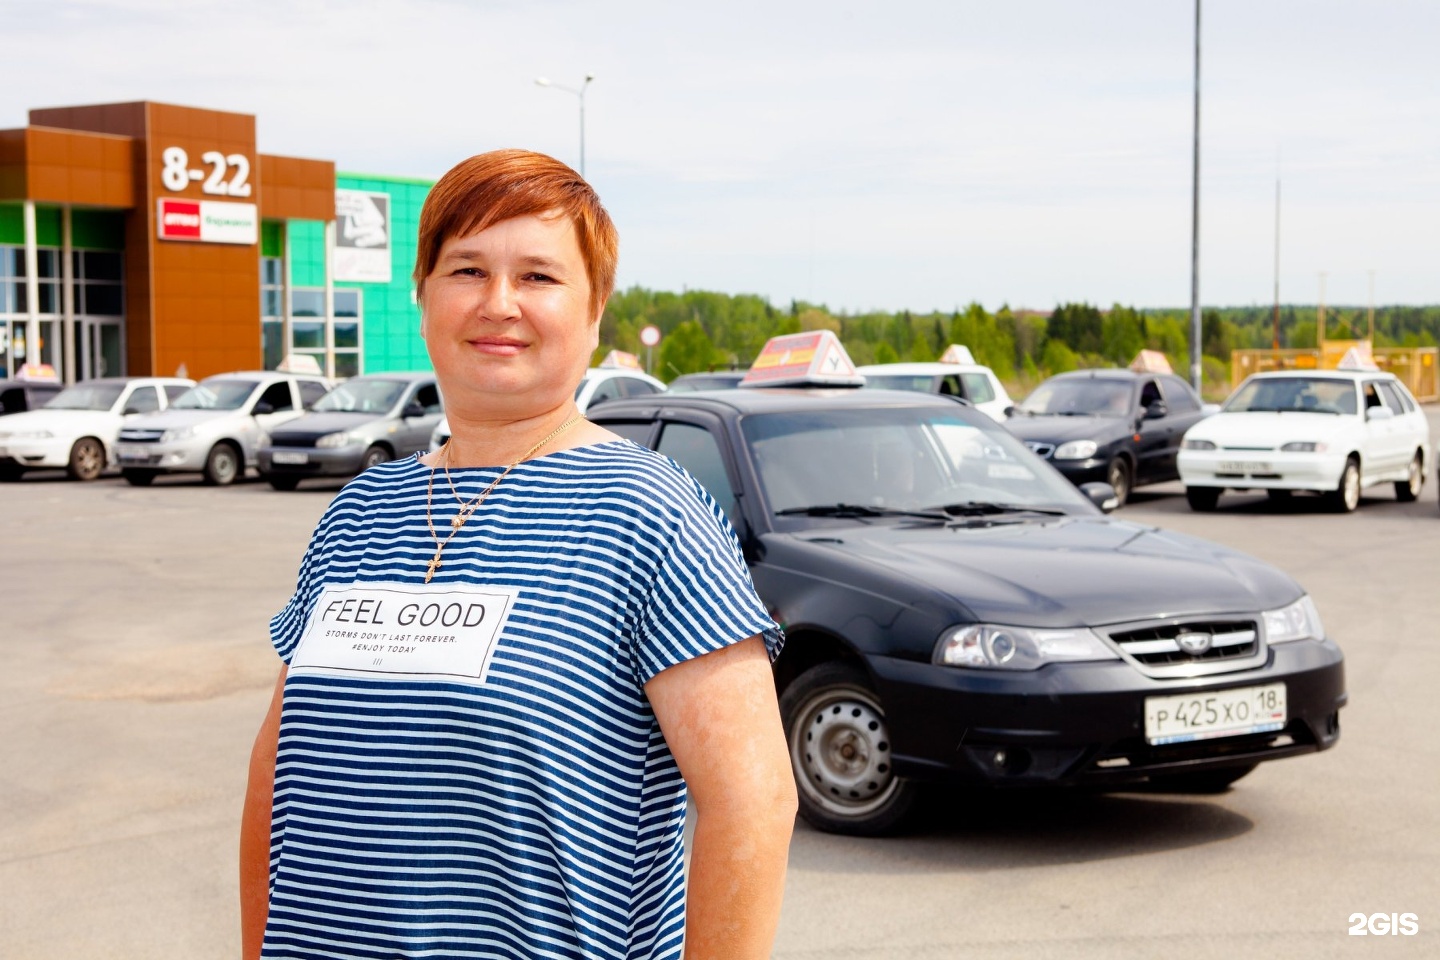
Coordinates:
179 219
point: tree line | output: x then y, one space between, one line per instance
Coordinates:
704 330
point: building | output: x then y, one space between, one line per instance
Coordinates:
148 238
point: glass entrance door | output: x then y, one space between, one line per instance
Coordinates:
104 349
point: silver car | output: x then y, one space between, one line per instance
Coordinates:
215 428
364 421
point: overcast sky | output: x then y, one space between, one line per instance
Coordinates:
904 154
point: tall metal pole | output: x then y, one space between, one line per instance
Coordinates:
1276 317
580 93
1195 345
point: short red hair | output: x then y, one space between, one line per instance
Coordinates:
490 187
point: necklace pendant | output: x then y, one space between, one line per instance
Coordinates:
458 521
434 565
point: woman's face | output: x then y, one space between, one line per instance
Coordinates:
507 320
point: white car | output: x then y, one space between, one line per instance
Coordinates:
598 385
217 427
1330 432
973 382
76 430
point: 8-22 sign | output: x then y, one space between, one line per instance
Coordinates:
176 174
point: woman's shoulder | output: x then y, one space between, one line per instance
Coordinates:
625 469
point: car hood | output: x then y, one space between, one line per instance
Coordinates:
1062 572
61 422
1269 429
335 421
1053 429
172 419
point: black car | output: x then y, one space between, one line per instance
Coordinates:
17 396
955 610
1116 426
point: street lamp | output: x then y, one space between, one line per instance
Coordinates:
580 93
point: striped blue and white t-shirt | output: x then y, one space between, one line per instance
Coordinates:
533 809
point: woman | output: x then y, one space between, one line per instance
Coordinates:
505 661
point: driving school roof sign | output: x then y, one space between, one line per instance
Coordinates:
803 359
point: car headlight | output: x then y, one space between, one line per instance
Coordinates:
1076 450
1199 445
1305 446
343 439
177 433
1299 621
992 647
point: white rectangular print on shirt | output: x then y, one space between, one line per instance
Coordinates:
403 630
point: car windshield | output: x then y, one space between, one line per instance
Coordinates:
87 396
691 382
897 458
361 396
1078 397
215 395
1301 394
918 383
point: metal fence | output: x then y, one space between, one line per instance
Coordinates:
1417 367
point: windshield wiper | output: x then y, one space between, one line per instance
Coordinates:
975 508
858 510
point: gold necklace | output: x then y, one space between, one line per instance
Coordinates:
468 508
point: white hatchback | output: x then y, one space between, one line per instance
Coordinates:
76 430
968 381
1330 432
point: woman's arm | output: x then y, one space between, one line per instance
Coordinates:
255 830
720 718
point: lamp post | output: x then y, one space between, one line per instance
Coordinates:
580 94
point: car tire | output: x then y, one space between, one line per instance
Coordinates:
1119 475
840 753
1202 499
222 466
283 482
1202 781
374 455
1408 490
87 459
1346 495
138 478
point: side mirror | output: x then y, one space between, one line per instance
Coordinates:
412 410
1379 413
1157 410
1101 494
262 407
1010 411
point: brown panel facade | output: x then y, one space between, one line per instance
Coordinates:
297 189
205 297
121 119
64 166
13 184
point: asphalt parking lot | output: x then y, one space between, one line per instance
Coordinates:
137 668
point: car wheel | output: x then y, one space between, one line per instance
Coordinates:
138 478
1117 474
1346 495
1408 490
87 459
282 482
840 753
1202 499
222 466
374 455
1202 781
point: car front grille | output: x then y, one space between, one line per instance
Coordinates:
1040 448
141 436
303 440
1190 647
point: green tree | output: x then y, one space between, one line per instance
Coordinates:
687 349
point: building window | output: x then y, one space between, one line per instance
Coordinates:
272 312
307 328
